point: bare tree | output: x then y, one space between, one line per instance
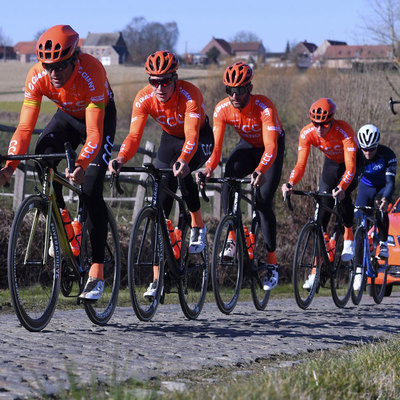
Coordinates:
4 40
143 38
383 26
39 33
245 36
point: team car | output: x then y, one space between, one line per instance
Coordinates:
393 241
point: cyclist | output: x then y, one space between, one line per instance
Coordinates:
260 150
378 173
337 140
186 136
86 114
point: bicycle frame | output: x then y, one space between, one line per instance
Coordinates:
50 176
309 258
365 219
158 189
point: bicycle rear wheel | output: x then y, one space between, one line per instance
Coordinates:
378 291
145 253
359 269
33 275
193 280
258 269
342 274
100 311
306 266
227 270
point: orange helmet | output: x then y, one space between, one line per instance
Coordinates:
57 44
238 74
322 110
161 62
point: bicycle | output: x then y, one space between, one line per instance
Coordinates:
366 240
320 256
250 255
150 246
40 259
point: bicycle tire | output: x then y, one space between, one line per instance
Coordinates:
227 274
193 280
342 273
34 284
145 251
259 295
377 292
306 262
100 311
359 267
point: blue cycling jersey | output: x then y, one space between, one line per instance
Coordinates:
380 172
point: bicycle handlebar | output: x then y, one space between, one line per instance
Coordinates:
391 105
312 193
229 180
148 168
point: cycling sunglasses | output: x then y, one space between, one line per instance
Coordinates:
230 91
369 148
322 124
163 82
57 67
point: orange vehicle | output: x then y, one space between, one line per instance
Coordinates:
393 241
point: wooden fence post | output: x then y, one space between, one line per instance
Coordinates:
141 190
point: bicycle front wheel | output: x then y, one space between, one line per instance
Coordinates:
342 274
193 281
258 269
306 266
101 311
359 268
33 274
227 265
145 259
377 291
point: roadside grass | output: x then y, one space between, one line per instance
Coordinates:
367 371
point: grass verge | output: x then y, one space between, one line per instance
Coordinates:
367 371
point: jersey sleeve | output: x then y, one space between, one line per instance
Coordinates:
303 152
219 125
350 154
390 175
192 126
94 134
21 138
131 143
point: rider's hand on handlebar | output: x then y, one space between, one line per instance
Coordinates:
115 165
338 193
382 204
257 178
183 169
207 173
77 176
286 188
5 175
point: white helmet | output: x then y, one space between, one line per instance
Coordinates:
368 136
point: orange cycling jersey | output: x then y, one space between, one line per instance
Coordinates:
84 96
340 145
257 123
182 116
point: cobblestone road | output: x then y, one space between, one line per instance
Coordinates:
170 344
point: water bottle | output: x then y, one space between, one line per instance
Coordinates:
76 241
178 246
248 242
67 224
328 246
172 238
